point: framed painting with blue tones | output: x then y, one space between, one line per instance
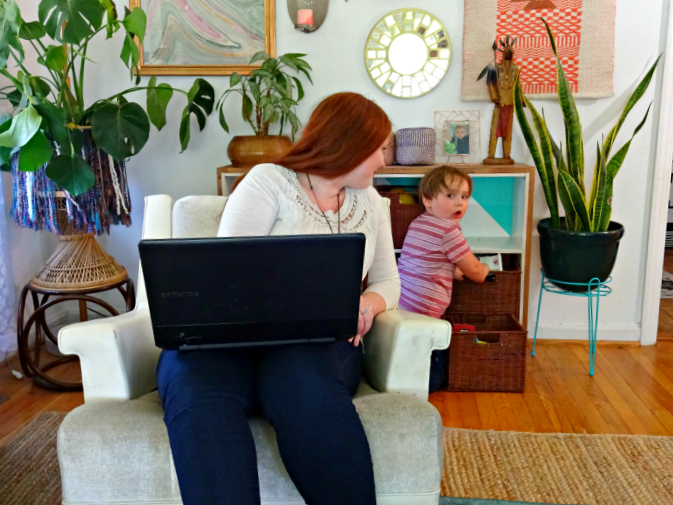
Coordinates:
205 37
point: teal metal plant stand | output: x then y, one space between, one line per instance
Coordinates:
595 290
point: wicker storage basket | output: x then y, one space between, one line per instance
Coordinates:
389 158
501 294
415 146
401 216
490 358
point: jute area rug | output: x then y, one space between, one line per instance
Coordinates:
558 468
29 473
528 467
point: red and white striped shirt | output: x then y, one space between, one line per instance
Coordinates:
427 263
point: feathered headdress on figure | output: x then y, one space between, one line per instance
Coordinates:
489 70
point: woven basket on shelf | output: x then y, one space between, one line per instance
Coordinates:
401 216
415 146
490 358
502 294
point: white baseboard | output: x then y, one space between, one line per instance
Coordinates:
620 333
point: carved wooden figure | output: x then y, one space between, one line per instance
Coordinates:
500 78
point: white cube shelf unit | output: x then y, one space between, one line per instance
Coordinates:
499 218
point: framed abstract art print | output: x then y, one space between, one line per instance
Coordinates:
205 37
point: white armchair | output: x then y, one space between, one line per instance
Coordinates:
114 448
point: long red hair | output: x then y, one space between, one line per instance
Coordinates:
343 131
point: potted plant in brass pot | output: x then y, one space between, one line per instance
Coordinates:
583 244
268 96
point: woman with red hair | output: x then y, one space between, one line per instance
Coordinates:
321 185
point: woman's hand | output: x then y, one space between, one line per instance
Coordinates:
365 321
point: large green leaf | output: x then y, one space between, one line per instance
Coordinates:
23 127
32 31
223 122
14 97
40 87
261 55
185 129
157 102
10 25
294 121
574 142
300 89
201 99
576 199
81 17
246 107
544 167
633 99
603 224
547 158
290 62
598 206
570 215
255 91
72 173
202 94
130 54
121 131
135 23
35 153
234 79
55 120
111 16
56 58
617 160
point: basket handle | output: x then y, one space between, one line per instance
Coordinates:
481 342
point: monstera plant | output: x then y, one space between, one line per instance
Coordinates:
581 246
51 118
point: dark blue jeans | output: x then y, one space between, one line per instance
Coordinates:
303 390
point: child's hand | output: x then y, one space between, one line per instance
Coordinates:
458 275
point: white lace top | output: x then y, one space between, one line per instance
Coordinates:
270 201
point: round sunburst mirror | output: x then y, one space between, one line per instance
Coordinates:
408 53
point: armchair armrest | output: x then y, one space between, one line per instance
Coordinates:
398 349
117 355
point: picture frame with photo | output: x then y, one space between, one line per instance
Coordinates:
458 136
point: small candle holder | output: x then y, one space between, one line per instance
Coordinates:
307 15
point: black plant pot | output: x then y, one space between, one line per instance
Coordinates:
577 256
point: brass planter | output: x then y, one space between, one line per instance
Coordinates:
246 151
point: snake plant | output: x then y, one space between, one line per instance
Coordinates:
562 171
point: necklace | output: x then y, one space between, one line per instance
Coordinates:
323 212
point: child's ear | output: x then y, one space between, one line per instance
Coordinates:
426 201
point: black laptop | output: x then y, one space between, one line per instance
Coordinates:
247 291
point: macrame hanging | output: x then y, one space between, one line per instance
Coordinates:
34 203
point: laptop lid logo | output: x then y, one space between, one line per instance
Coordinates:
179 294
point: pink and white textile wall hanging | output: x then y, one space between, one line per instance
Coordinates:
585 36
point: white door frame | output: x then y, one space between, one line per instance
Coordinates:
661 184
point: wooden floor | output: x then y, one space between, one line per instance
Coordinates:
631 391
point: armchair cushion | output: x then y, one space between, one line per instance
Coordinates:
119 453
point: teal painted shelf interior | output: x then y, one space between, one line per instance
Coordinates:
494 220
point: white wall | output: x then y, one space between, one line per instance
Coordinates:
336 54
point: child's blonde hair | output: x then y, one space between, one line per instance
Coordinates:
440 179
